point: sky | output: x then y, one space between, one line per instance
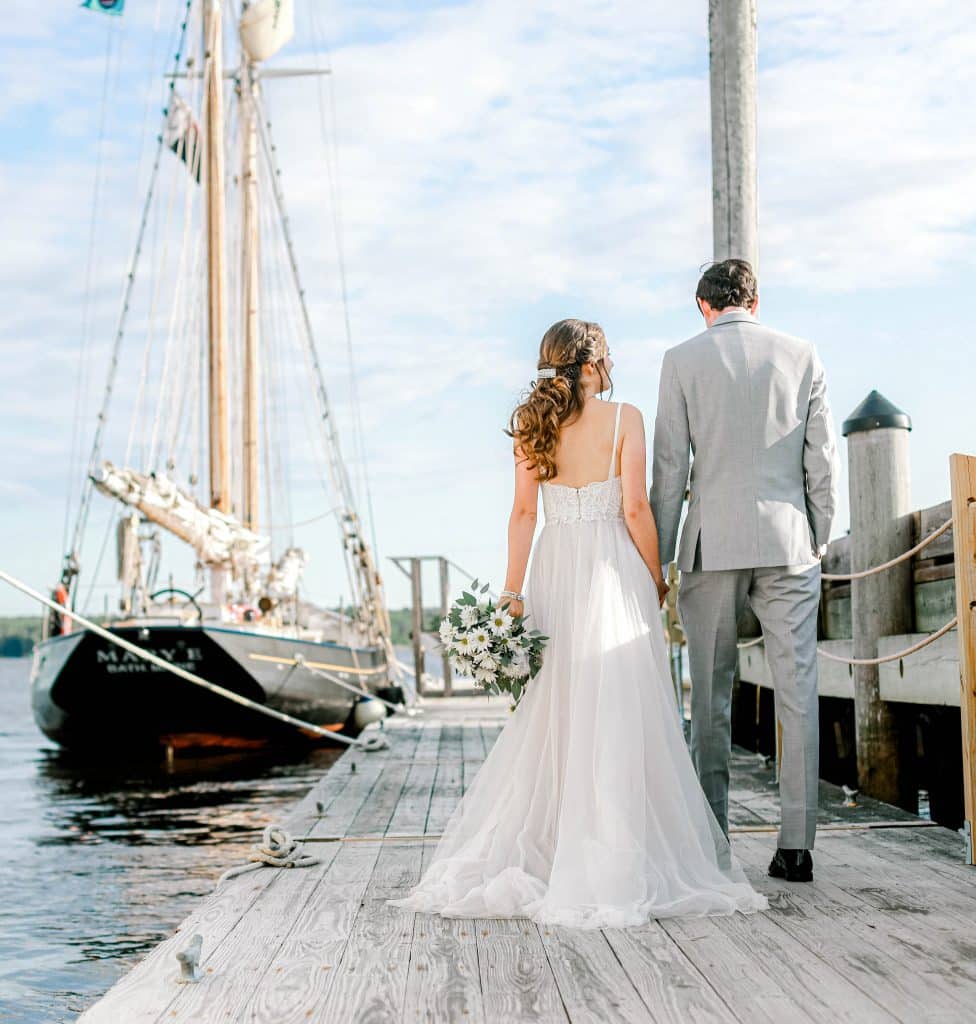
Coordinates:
500 166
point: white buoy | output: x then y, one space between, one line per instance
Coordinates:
367 711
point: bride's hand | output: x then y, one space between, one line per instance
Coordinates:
511 606
662 590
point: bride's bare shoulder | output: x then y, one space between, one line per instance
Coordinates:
630 416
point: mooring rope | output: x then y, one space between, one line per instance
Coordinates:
843 826
277 849
370 743
846 577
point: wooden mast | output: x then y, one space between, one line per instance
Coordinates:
219 413
250 272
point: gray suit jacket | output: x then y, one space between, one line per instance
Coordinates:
751 406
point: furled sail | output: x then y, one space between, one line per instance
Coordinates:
266 26
219 539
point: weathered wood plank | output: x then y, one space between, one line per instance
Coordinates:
962 470
370 981
670 986
871 950
517 982
151 983
753 991
236 965
593 986
444 981
448 785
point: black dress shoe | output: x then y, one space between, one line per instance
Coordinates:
793 865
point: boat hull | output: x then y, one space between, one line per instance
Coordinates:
88 693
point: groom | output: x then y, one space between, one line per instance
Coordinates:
751 405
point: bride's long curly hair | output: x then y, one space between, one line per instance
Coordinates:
534 426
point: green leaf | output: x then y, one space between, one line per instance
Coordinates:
484 589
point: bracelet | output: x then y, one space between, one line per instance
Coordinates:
513 595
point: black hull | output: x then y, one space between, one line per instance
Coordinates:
90 694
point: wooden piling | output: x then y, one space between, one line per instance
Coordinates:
417 630
882 605
962 470
445 582
732 62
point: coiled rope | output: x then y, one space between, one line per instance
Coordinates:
277 849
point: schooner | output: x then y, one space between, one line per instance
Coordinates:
237 615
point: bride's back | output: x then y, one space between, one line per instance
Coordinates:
583 452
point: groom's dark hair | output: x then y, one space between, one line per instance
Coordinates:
729 283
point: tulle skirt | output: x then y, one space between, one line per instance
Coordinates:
587 811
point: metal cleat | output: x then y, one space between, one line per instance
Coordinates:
189 959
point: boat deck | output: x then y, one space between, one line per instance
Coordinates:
886 932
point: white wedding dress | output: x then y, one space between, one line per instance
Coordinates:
587 811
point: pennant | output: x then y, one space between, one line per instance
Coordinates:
105 6
182 135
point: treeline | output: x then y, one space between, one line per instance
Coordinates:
401 623
18 634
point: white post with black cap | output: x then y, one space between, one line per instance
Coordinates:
881 605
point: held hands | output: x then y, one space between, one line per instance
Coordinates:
662 590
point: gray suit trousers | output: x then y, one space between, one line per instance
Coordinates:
785 600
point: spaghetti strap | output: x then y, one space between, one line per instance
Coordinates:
613 447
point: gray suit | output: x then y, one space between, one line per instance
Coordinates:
750 404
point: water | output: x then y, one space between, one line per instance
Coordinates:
97 868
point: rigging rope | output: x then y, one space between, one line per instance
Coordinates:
332 175
88 488
81 380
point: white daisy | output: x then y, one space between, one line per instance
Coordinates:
462 644
520 666
469 616
446 632
478 640
463 666
483 675
487 662
500 622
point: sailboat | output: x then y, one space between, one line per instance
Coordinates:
208 480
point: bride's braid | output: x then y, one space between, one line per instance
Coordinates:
534 426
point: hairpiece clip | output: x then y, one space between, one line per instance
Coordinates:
546 373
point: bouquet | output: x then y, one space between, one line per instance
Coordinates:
491 645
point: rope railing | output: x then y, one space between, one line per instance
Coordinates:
915 648
847 577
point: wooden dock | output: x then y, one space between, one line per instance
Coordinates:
887 931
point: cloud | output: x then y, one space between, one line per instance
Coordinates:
501 165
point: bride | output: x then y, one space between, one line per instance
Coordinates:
587 812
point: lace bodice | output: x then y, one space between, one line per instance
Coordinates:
599 501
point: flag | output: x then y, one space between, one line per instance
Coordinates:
106 6
182 134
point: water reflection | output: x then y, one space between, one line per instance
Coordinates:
103 859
